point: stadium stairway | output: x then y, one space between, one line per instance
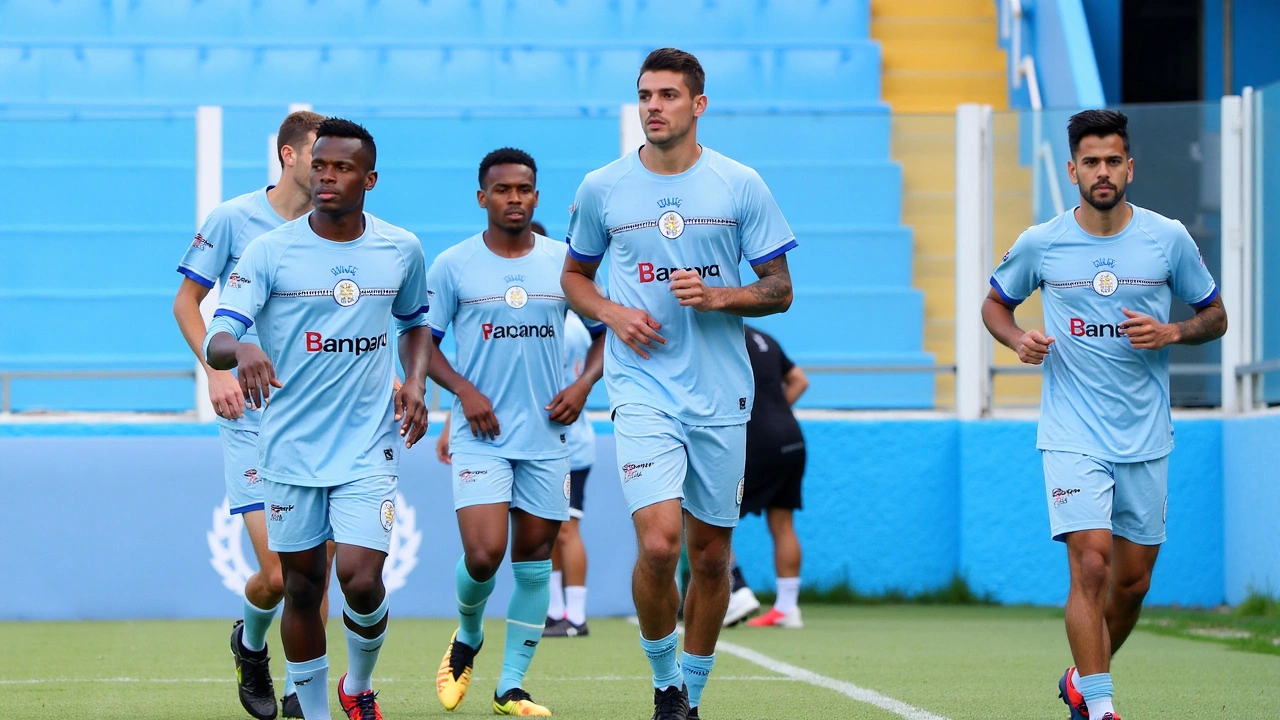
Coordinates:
938 54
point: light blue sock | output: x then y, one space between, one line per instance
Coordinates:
472 597
526 617
256 623
1093 687
311 678
696 669
662 656
289 688
362 652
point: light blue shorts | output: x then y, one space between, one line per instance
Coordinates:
240 466
661 458
360 512
538 487
1085 493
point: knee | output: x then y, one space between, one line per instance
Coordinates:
1133 590
660 551
302 590
710 562
483 563
362 588
275 582
1093 570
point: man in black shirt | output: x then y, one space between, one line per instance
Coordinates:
775 466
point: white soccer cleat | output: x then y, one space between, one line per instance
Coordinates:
742 603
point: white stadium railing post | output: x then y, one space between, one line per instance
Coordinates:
1232 281
630 129
974 228
208 196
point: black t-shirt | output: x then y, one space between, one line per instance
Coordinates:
772 427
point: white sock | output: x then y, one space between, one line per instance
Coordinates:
576 601
1099 707
555 610
788 595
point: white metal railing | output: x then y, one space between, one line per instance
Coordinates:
1024 66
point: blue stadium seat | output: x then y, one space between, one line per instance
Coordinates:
552 140
423 77
869 193
810 20
543 20
144 253
103 394
20 75
735 76
106 142
40 19
419 20
611 75
528 76
862 391
90 74
141 322
873 319
180 20
850 74
123 195
799 137
197 76
680 22
855 257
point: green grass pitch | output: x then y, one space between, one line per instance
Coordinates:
958 663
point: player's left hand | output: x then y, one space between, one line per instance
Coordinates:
1147 333
411 411
688 287
567 405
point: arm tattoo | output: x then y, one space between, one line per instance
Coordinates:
772 291
1209 323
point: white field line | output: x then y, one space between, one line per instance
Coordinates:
799 674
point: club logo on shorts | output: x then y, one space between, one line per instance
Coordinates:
251 475
346 292
742 488
1060 496
1105 283
631 471
671 225
568 484
516 297
388 514
278 511
469 476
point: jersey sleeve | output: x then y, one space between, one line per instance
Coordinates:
588 237
207 256
412 303
1189 279
443 294
248 286
763 230
1018 274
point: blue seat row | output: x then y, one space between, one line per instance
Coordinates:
667 21
449 76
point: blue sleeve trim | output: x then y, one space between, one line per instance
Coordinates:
791 245
1205 302
234 316
248 508
1004 295
597 330
413 314
197 277
580 257
437 333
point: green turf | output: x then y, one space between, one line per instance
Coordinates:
968 663
1253 626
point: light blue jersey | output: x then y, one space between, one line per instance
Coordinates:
322 310
704 219
216 250
1101 397
577 343
508 321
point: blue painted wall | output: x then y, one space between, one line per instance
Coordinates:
120 527
1255 60
1105 29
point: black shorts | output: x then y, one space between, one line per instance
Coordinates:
577 488
773 481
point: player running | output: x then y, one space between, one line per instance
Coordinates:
1106 270
500 290
675 218
211 257
322 291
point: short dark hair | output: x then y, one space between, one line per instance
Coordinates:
538 228
1099 123
676 61
338 127
507 156
294 130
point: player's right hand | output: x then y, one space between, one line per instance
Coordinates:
479 413
225 394
1033 346
442 448
635 327
257 374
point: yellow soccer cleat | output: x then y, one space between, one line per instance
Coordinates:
455 672
517 702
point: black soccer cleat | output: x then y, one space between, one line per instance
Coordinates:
565 628
671 704
253 677
693 713
290 707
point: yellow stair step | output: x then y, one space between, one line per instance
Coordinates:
933 8
929 56
979 32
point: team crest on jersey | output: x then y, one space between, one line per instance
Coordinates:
388 514
346 292
516 297
1105 283
671 225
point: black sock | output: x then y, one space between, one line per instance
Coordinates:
736 580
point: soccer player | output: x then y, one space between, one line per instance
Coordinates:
212 256
775 469
675 218
567 614
1106 270
322 291
500 290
